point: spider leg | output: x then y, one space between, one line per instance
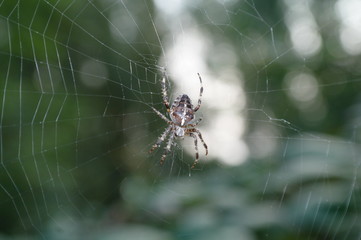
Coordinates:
161 115
196 148
160 139
167 149
192 130
195 123
200 95
164 91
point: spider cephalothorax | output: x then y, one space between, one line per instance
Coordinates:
182 123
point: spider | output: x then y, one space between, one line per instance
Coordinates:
181 121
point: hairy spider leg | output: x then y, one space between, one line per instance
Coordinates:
196 148
167 148
161 115
164 92
195 123
200 94
161 138
194 130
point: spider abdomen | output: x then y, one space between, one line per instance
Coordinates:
181 111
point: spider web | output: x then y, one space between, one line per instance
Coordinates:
280 113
